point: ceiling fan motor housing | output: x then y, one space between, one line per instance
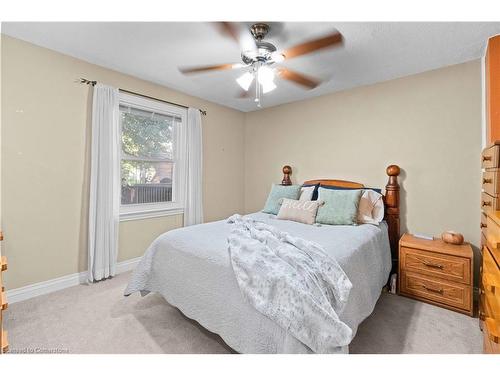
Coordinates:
262 54
259 30
264 49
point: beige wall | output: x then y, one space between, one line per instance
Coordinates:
45 162
429 124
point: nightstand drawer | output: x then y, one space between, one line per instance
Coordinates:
438 265
490 157
432 289
489 203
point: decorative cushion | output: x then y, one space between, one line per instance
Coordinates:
315 191
278 192
307 192
371 208
340 208
301 211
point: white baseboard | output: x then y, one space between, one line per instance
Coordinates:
127 265
49 286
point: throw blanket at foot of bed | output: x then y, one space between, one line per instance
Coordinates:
292 281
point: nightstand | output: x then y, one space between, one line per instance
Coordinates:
436 272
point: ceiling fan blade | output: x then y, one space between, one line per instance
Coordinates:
209 68
298 78
229 29
314 45
239 33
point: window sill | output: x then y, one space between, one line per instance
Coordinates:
141 214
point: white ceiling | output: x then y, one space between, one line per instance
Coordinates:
373 52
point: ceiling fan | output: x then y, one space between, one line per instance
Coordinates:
260 58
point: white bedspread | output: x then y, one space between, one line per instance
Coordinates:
191 268
292 281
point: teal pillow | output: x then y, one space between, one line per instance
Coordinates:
340 208
273 202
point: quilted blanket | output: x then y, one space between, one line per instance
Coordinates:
292 281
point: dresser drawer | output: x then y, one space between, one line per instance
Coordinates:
484 220
491 181
490 157
436 290
491 337
490 305
492 232
490 286
488 202
490 265
448 267
5 342
490 346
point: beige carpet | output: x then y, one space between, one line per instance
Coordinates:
98 319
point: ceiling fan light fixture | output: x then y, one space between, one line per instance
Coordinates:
268 87
277 57
245 80
265 75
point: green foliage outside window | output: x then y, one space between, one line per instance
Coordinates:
147 136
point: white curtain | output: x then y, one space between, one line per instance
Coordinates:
104 202
193 196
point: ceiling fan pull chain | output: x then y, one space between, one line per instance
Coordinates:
257 86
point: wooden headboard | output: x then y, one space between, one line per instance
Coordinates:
391 202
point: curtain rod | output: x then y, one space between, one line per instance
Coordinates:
93 83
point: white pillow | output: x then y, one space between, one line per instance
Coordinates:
300 211
306 193
371 208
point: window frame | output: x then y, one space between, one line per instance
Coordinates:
139 211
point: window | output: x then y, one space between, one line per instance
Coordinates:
151 162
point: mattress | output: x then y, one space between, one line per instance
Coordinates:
190 267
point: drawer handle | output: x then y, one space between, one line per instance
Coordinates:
489 288
486 203
433 265
486 158
440 291
483 225
486 180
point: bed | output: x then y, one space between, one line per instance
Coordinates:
190 267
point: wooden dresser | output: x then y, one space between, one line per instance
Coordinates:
4 345
489 300
436 272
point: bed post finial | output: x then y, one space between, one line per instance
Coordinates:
287 171
392 212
